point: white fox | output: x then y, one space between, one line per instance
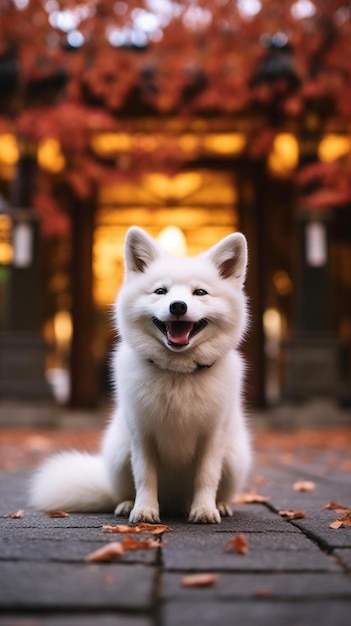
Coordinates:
177 442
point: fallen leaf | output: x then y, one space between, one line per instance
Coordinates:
291 514
17 515
238 543
110 552
199 580
336 525
341 522
56 514
130 543
250 498
304 485
142 527
153 529
335 506
120 528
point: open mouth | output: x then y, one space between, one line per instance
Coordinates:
179 333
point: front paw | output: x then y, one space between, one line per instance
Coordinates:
224 509
204 515
124 508
144 514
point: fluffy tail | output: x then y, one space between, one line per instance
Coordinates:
72 482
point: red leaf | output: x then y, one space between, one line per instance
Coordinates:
199 580
291 514
110 552
238 544
304 485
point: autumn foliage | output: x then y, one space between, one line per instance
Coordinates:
69 70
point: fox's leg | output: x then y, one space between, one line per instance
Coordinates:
235 470
207 476
146 507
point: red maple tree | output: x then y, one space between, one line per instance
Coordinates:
69 70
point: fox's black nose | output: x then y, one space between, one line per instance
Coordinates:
178 307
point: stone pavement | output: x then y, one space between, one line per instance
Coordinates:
295 573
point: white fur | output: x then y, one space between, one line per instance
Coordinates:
178 439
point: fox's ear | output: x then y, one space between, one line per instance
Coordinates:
140 250
230 257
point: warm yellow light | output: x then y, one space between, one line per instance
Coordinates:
106 144
272 323
172 240
225 143
50 156
189 142
333 147
178 187
285 154
6 249
9 152
63 328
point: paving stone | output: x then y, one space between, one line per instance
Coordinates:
75 586
283 496
12 532
75 620
295 573
288 586
215 541
68 551
318 529
32 519
247 518
259 613
205 552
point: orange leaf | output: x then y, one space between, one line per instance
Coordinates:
336 525
120 528
291 514
109 552
56 514
304 485
335 506
142 527
250 498
238 543
199 580
153 529
341 522
17 515
130 543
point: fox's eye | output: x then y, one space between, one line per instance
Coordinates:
200 292
160 291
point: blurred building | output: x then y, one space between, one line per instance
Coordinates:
299 280
254 164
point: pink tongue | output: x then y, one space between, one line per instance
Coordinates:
178 332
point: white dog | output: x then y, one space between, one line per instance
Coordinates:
178 441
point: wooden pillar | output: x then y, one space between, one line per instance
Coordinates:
84 389
22 347
313 352
252 224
